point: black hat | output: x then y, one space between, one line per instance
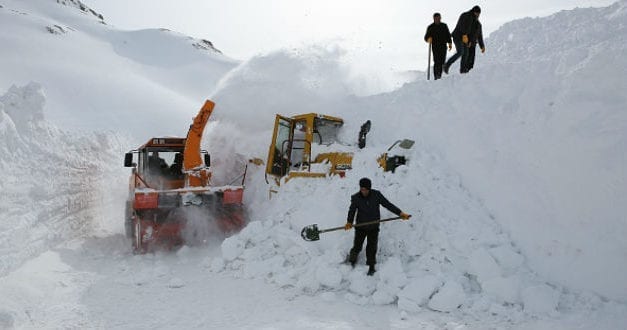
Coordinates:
365 183
476 9
436 15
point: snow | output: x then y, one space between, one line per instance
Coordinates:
448 298
516 182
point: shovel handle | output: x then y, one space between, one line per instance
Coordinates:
312 233
359 224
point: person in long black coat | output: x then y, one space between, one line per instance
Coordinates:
365 204
461 37
438 35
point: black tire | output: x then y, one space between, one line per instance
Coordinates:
138 244
128 219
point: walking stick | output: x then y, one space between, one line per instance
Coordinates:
312 233
429 63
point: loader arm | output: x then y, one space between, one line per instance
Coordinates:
192 160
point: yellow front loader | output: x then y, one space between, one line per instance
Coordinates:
307 146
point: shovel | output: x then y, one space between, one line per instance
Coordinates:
312 233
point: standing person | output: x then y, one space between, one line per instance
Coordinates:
477 38
438 36
366 204
461 37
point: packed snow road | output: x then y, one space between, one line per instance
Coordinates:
99 283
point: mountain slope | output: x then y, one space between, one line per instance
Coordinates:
116 78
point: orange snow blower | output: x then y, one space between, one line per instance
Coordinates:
171 200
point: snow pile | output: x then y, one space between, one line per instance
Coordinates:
518 170
55 185
452 257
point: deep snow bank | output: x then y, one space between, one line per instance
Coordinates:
55 185
520 165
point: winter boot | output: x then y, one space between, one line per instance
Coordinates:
371 270
350 260
445 68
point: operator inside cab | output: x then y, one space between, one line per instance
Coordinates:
156 164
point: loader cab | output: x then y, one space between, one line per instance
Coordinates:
300 146
159 163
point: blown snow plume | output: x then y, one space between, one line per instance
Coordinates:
53 182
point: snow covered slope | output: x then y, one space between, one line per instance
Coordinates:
97 76
537 134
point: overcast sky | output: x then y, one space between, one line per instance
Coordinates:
386 32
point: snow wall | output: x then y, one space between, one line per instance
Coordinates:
535 135
56 185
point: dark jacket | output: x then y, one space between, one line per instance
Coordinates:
476 34
464 25
439 34
367 208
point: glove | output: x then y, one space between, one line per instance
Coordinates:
429 40
450 46
464 39
348 226
405 216
482 50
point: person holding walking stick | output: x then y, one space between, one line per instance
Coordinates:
438 36
365 204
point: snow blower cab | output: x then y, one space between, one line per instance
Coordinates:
307 146
171 200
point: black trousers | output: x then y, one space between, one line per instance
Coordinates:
470 62
371 247
439 56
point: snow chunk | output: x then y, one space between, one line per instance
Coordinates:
383 297
448 298
329 277
418 292
505 289
361 284
392 274
540 299
507 258
392 279
232 248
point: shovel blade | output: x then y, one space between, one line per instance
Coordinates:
310 233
